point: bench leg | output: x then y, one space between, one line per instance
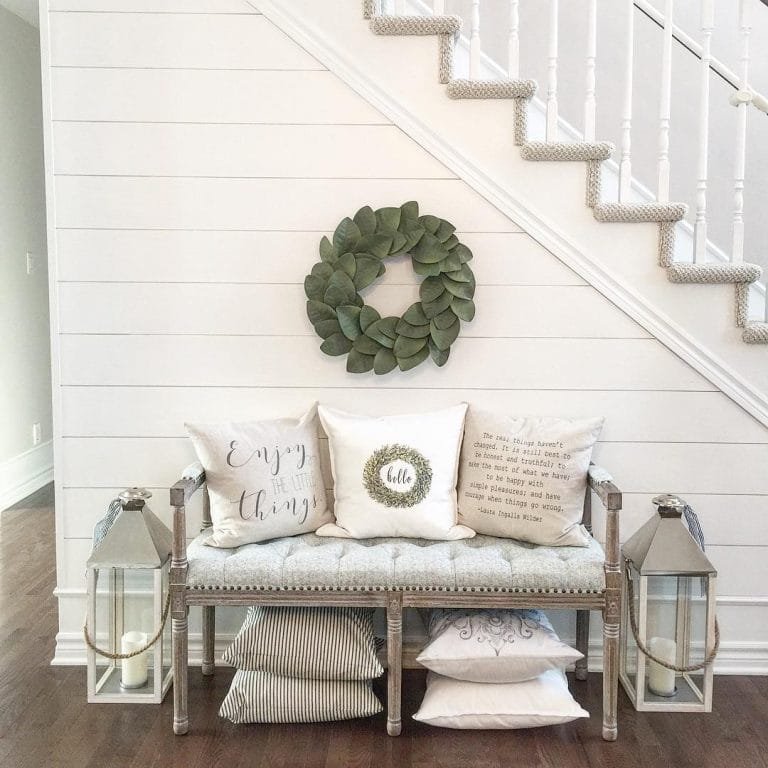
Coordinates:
582 643
394 661
611 666
179 633
209 637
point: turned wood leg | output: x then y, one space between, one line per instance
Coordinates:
209 638
179 632
394 661
611 664
582 643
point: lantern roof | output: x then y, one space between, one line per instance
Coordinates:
664 547
136 539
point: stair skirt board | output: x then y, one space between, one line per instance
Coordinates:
447 28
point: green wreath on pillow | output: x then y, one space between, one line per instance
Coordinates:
354 260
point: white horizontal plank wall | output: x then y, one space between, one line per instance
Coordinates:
196 155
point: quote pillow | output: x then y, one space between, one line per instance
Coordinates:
545 700
493 645
260 697
318 642
524 477
263 478
395 475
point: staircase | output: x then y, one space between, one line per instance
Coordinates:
536 177
447 29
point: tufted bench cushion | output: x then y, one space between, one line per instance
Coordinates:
484 563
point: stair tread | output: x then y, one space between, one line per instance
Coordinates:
683 272
630 212
755 333
566 150
416 25
460 88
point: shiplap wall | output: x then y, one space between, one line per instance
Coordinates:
195 157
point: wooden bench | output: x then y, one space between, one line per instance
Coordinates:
484 572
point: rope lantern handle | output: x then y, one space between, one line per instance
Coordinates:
92 645
646 651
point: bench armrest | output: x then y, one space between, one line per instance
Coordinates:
192 478
602 484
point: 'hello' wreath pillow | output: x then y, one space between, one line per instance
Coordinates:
395 475
263 477
524 477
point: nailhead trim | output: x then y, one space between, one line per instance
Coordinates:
463 590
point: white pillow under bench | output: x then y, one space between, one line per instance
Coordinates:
479 572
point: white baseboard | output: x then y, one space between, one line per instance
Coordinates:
25 474
734 658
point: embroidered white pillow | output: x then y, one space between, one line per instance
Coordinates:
263 477
395 475
544 700
493 645
524 477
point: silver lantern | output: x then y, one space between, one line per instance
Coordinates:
669 631
126 632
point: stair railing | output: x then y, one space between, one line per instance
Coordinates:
508 16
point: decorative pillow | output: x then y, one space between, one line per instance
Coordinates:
321 643
545 700
493 645
259 697
395 475
263 478
524 477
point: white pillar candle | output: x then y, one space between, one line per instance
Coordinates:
661 680
134 670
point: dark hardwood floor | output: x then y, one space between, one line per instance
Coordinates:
44 720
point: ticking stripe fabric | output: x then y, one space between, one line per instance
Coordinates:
260 697
321 643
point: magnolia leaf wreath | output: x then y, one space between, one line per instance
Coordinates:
354 260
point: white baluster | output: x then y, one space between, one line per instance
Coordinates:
707 26
439 7
590 105
551 133
665 104
745 29
625 167
514 40
474 42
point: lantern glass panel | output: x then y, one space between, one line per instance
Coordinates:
164 644
104 629
676 633
630 651
693 591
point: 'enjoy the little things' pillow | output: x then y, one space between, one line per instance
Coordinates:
524 477
395 475
263 477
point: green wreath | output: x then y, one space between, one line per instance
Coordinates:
354 260
375 486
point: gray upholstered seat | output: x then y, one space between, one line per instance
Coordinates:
484 563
